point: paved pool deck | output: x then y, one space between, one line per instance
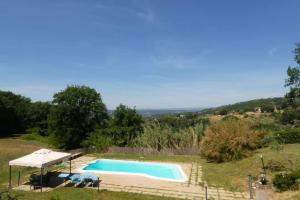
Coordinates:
191 189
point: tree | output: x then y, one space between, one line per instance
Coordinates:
37 116
125 125
293 97
223 112
76 111
13 113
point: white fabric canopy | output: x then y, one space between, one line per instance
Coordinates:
41 158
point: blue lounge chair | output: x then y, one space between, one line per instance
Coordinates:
95 181
87 175
77 179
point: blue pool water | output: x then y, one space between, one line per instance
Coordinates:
153 170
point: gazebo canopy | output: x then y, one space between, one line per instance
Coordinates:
41 158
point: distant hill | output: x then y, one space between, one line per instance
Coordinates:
267 104
167 111
156 112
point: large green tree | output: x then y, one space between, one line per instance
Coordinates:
13 113
126 125
292 111
37 116
76 111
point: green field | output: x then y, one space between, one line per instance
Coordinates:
230 175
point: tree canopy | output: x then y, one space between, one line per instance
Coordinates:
76 111
292 111
126 125
13 113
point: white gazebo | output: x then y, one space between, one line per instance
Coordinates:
40 159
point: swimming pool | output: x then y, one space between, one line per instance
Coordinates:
161 171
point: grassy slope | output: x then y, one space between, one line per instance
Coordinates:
249 105
233 175
14 148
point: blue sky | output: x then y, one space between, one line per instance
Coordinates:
149 54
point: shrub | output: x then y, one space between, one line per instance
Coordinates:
286 181
288 136
160 137
229 140
230 117
97 141
275 166
223 112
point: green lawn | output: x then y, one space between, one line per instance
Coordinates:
84 193
233 175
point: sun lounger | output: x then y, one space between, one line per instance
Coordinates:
76 179
95 181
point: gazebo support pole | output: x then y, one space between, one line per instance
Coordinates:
70 166
9 177
42 179
19 176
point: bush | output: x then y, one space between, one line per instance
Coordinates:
275 166
223 112
229 140
286 181
288 136
230 117
97 141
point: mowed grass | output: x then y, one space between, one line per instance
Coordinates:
83 194
11 149
234 175
14 148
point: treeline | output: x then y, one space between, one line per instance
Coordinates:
17 113
77 117
266 105
72 117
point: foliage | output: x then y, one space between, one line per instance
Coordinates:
230 118
6 195
181 121
97 141
288 136
267 108
125 125
161 136
224 111
13 113
37 116
229 140
291 113
275 166
286 181
76 111
249 106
